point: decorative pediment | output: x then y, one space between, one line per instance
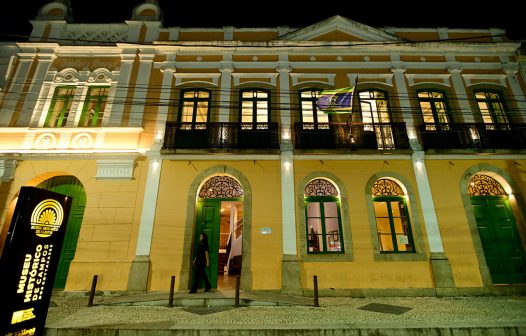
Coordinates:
339 28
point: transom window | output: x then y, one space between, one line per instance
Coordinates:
255 109
60 106
492 109
434 112
94 105
323 217
311 116
194 109
392 217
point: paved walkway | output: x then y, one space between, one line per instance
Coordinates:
214 313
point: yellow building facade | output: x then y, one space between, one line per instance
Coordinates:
159 133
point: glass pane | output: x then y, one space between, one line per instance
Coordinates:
247 112
203 94
313 209
247 94
315 242
333 242
398 225
383 226
386 242
188 111
202 112
322 117
427 112
380 209
395 208
262 111
402 242
330 209
331 225
307 115
261 94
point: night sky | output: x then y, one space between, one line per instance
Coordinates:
272 13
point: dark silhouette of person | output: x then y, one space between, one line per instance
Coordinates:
201 261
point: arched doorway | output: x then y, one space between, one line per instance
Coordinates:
70 186
497 228
219 213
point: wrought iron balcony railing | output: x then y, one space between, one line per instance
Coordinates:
221 135
473 136
380 136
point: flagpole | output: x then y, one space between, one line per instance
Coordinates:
355 92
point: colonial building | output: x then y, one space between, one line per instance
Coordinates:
159 133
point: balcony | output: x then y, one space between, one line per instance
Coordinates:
473 136
216 135
351 136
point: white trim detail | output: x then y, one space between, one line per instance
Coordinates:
469 77
443 77
180 76
387 77
238 76
328 78
115 169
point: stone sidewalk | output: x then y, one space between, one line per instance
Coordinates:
268 314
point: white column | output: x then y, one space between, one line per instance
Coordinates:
288 216
426 200
461 95
44 62
144 240
284 70
226 69
141 89
15 89
511 70
405 106
164 99
121 93
287 203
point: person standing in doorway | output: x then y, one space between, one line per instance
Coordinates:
201 261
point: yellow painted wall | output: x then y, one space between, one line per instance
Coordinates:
108 234
445 177
169 228
364 272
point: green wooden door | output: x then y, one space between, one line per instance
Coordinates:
207 220
500 239
70 186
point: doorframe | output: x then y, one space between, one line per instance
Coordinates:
189 226
510 186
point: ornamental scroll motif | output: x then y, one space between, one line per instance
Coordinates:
221 187
320 187
386 187
484 185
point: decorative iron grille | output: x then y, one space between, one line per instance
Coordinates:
320 187
221 187
484 185
386 187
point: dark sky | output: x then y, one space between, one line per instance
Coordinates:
273 13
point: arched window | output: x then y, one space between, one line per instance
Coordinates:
94 106
194 109
434 110
323 217
492 110
60 106
254 109
392 217
311 116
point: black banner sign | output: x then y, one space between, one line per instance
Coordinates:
29 260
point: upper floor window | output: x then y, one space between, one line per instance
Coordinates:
374 106
94 106
491 107
392 217
194 109
323 217
255 109
60 106
311 116
434 111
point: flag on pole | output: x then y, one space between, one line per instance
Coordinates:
336 100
